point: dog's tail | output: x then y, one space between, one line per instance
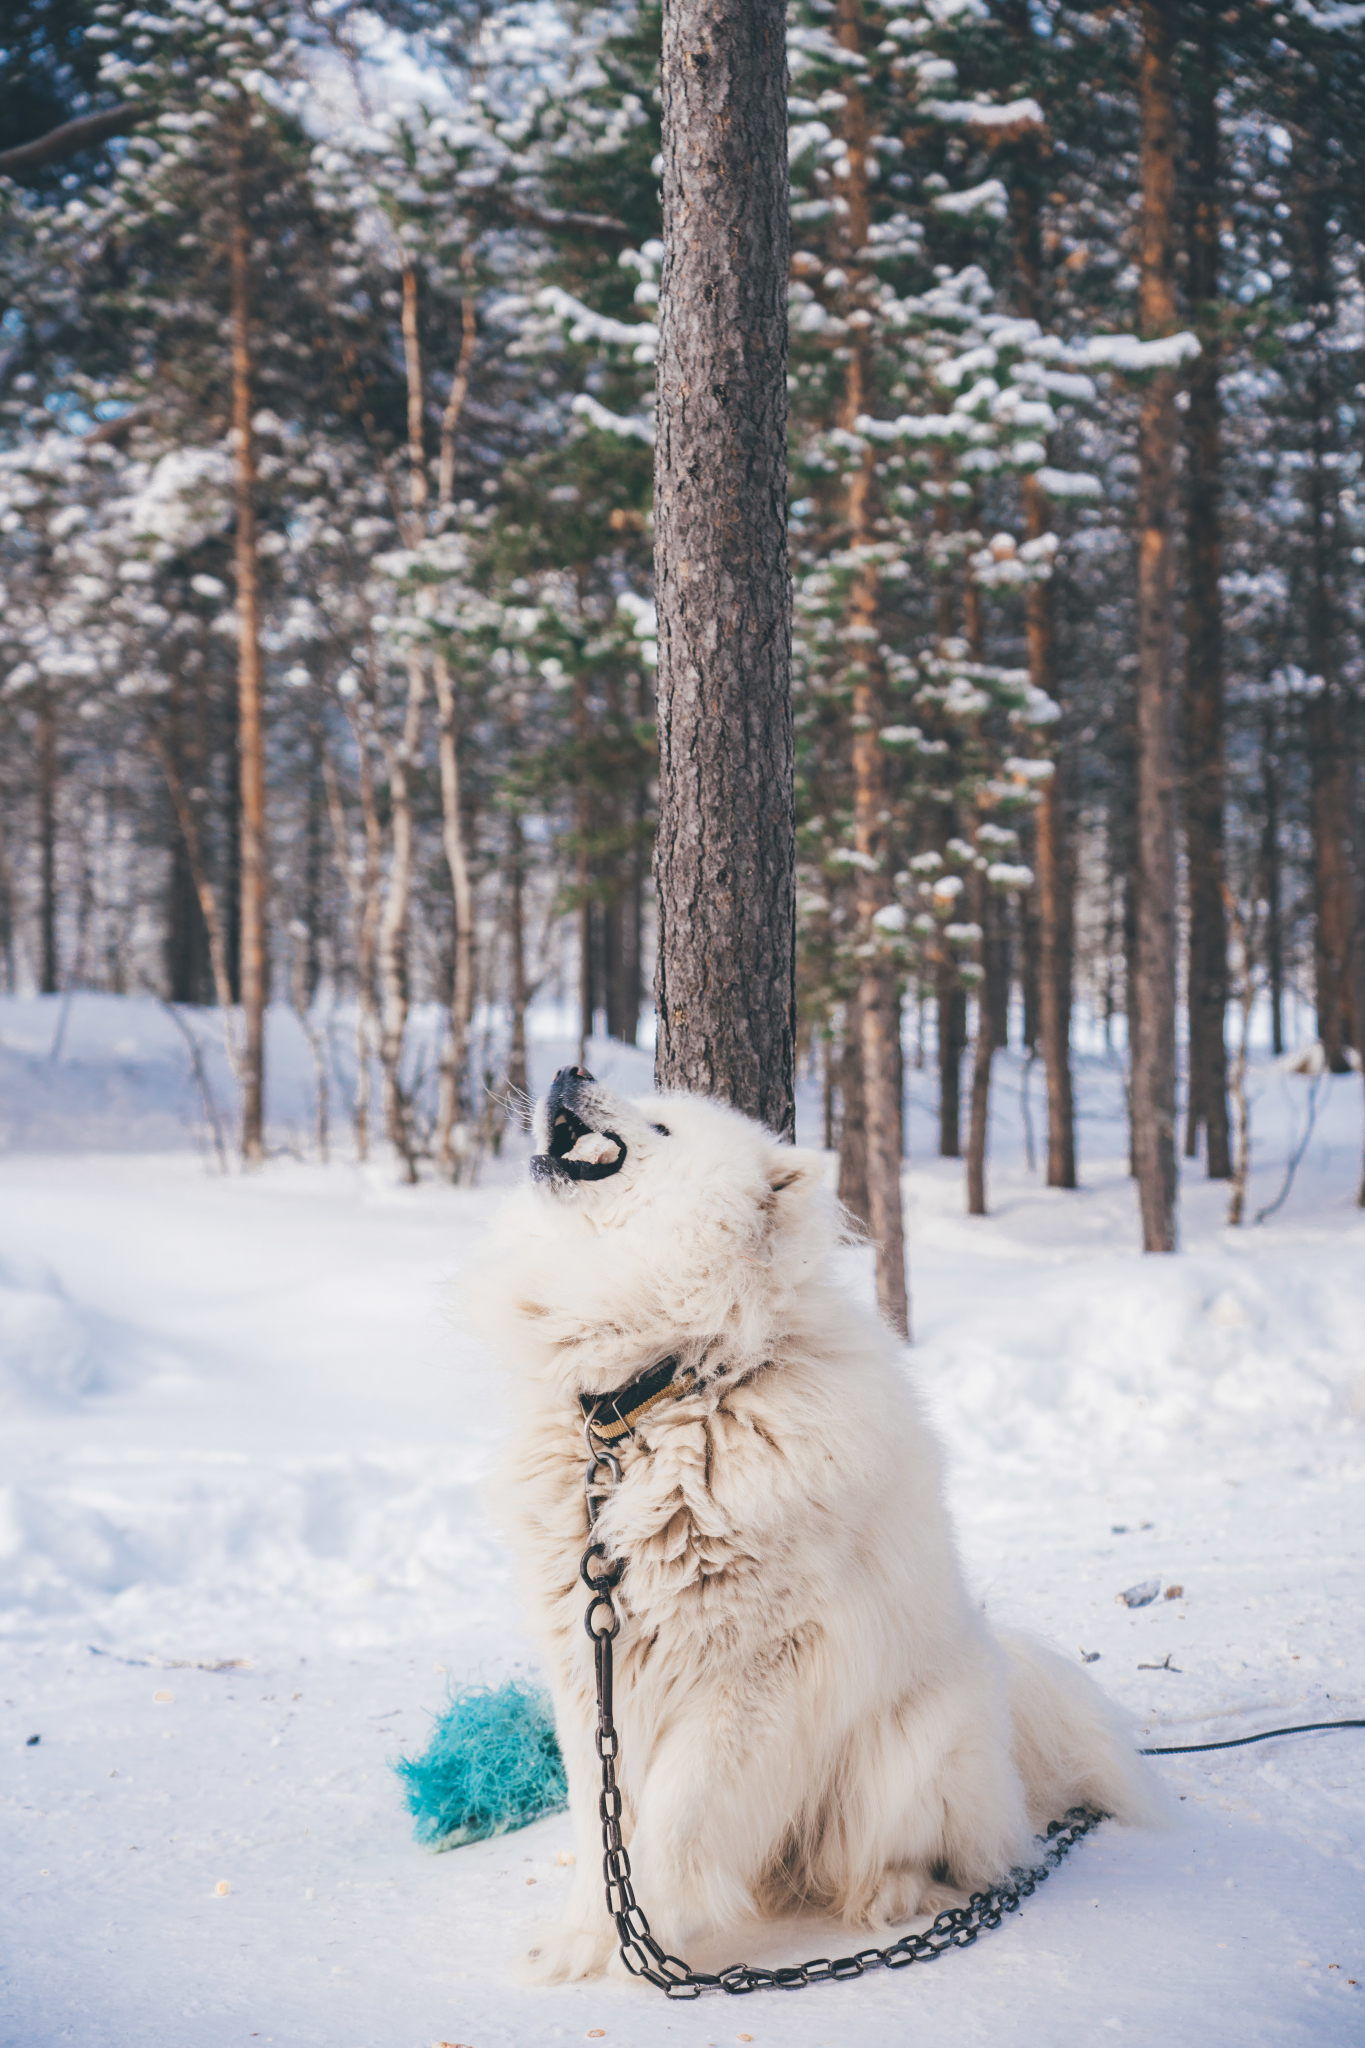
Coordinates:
1072 1746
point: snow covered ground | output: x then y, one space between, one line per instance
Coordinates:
242 1550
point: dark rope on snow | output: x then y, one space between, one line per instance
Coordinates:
1241 1741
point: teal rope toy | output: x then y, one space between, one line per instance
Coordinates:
492 1764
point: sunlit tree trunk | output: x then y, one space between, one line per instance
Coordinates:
518 1078
1053 860
853 1120
399 756
582 802
986 910
1314 195
725 858
47 842
362 888
1054 884
951 1005
1208 942
1154 1065
1271 884
878 1004
452 1107
1329 772
249 678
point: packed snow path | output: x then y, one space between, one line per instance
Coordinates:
242 1546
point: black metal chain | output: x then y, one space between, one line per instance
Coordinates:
640 1952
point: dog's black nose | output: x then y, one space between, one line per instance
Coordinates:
573 1074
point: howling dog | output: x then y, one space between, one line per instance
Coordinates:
813 1712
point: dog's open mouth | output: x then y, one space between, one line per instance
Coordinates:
576 1151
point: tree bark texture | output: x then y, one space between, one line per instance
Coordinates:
518 1078
878 1000
582 803
853 1119
987 910
1154 1066
187 962
1204 688
47 843
878 1004
400 756
1055 884
725 986
1329 771
1054 865
249 677
1240 1164
452 1109
188 821
362 889
951 1005
1270 882
1315 196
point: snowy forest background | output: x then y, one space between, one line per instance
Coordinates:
326 677
326 653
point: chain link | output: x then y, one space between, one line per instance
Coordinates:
640 1952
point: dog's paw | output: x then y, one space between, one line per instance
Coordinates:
908 1895
562 1955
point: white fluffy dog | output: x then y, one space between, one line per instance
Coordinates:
812 1710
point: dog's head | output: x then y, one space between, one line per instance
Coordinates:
575 1134
651 1222
611 1157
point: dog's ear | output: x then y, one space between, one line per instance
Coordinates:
793 1176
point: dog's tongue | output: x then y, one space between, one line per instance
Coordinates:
595 1150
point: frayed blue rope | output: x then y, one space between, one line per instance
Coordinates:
492 1764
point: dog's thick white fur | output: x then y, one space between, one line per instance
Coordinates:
812 1711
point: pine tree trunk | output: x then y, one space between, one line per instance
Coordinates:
393 923
987 912
853 1118
1154 1063
878 1005
725 989
879 1009
451 1111
518 1078
1054 871
47 843
186 933
1271 888
313 860
249 678
362 888
231 837
1054 867
996 955
1055 891
1030 945
951 1002
1329 807
587 962
6 921
620 968
1208 943
1329 781
188 821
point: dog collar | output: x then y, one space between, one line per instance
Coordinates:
612 1416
